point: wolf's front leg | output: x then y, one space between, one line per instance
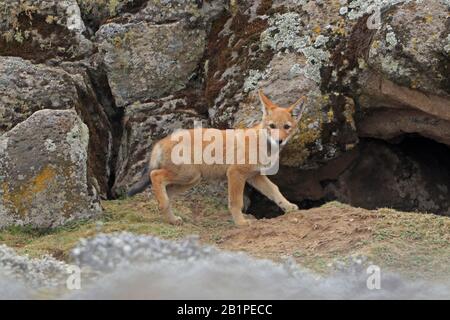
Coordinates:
271 191
236 184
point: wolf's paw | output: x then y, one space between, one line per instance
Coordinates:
242 222
290 207
175 220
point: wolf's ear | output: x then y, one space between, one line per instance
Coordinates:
267 105
297 108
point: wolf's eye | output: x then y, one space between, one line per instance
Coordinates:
287 127
272 126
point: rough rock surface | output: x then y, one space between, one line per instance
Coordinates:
42 30
361 83
26 88
97 12
143 125
145 61
36 273
43 171
136 70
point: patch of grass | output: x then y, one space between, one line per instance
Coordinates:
415 244
138 215
335 204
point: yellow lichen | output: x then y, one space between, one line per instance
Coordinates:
22 198
330 115
50 19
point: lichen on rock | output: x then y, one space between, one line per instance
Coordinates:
42 30
145 61
43 187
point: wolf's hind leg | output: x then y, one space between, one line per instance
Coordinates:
160 179
178 188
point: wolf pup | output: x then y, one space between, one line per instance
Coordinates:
170 176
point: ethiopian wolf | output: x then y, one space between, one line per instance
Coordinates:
179 161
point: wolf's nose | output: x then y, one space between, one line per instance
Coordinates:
280 141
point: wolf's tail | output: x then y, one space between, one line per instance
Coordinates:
145 181
142 184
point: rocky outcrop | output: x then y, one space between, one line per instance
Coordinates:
135 70
145 124
42 30
43 170
152 57
404 88
363 81
26 88
145 61
96 13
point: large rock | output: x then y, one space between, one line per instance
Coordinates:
282 48
145 61
26 88
95 13
410 47
144 124
153 57
405 86
362 81
43 171
42 30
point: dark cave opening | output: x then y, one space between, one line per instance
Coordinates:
263 208
408 173
425 149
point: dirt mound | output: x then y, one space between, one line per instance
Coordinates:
320 230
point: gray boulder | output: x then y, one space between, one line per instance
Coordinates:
26 88
145 61
43 171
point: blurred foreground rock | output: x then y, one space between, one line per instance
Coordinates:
128 266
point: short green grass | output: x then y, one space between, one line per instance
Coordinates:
138 215
414 243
